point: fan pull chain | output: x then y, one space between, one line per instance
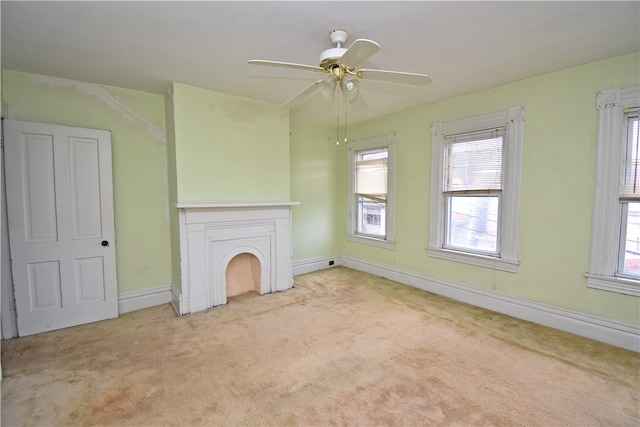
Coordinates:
337 121
345 117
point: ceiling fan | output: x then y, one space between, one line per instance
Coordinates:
342 66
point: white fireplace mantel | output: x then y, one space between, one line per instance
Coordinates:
212 233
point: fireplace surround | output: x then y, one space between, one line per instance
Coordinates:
213 233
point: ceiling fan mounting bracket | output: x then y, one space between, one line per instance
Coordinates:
338 37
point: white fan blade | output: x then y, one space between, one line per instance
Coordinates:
395 77
359 50
286 65
302 94
358 103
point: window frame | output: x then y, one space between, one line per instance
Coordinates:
509 210
606 225
460 183
383 142
624 212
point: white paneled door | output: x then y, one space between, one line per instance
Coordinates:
61 230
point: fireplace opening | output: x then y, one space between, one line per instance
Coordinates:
243 275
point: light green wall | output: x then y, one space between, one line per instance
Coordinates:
314 182
229 147
556 196
136 121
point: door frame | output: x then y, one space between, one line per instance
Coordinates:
9 325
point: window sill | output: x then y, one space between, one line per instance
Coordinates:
475 259
613 284
371 241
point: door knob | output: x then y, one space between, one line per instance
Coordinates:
105 243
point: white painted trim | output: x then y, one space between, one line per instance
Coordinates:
176 301
607 214
513 118
183 303
310 265
510 211
209 234
371 241
233 204
8 304
606 207
608 331
613 284
138 300
475 259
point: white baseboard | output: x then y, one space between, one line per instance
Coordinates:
314 264
138 300
608 331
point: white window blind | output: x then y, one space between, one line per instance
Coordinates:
630 179
371 174
473 162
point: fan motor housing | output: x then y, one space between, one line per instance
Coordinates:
331 56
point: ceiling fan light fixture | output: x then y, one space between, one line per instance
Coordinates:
351 87
325 90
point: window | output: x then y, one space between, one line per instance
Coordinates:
614 262
371 184
475 183
629 254
472 187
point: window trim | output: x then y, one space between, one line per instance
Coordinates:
507 260
607 211
386 142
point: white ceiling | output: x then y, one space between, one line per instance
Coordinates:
464 46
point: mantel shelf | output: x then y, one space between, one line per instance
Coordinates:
235 204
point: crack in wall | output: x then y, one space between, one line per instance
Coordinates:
126 112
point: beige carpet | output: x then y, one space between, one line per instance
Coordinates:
341 348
